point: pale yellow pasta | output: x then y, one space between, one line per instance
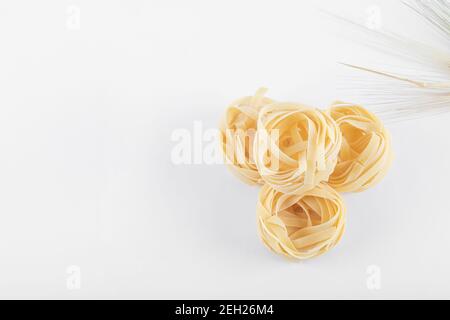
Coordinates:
303 157
296 146
237 134
301 226
366 152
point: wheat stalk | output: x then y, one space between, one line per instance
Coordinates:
423 86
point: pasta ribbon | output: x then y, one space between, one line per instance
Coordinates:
366 153
303 157
301 226
296 147
237 131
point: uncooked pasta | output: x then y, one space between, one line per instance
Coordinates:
303 157
366 152
237 130
296 146
301 226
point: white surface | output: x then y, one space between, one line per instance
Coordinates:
86 178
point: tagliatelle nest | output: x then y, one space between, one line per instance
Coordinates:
301 226
237 132
366 152
296 146
303 156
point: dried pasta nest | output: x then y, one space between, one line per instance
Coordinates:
366 152
303 157
237 131
296 146
301 226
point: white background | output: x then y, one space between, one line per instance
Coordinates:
86 178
